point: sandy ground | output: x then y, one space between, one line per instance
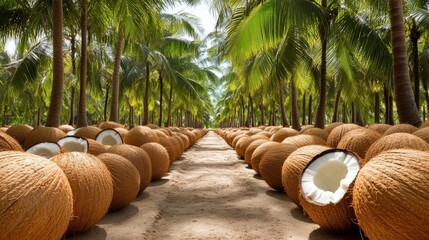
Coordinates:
210 194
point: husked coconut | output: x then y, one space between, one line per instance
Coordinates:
126 179
251 148
304 140
159 159
9 143
139 158
46 150
109 137
395 141
74 144
283 133
140 135
401 128
43 134
87 132
91 185
379 127
259 153
325 188
95 148
337 133
36 200
390 196
19 132
110 124
294 165
359 140
318 132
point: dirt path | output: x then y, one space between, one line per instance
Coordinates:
209 194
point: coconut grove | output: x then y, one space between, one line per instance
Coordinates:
314 105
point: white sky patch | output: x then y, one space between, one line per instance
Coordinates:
10 47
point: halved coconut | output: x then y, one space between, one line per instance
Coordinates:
326 187
74 144
46 149
109 137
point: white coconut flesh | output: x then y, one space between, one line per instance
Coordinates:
73 132
46 149
109 137
74 144
327 178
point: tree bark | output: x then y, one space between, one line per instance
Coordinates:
106 101
131 117
406 106
250 119
146 96
344 113
56 101
353 113
168 124
386 105
161 90
414 39
377 108
303 109
261 108
73 94
295 114
337 103
81 117
310 107
114 109
282 104
73 90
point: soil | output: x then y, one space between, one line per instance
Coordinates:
210 194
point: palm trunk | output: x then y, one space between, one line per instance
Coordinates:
303 109
386 105
250 112
426 93
161 90
73 90
414 39
114 107
377 108
344 113
337 103
131 117
106 100
295 115
146 96
261 108
406 106
73 94
169 106
39 117
282 104
54 113
359 118
81 117
391 119
310 107
353 113
242 113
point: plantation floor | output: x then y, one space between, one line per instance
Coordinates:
210 194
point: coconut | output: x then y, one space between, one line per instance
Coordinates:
259 153
3 129
74 144
139 158
110 124
152 126
96 148
326 186
178 146
140 135
122 131
294 165
395 141
126 179
422 133
66 128
9 143
159 159
185 140
337 133
283 133
46 149
304 140
237 138
359 140
168 145
243 143
401 128
425 124
36 200
88 132
43 134
251 148
331 127
318 132
19 132
109 137
379 127
271 164
390 195
91 185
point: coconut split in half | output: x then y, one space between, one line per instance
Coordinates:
325 188
74 144
46 149
109 137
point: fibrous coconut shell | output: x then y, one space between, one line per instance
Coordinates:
245 142
110 124
9 143
237 138
391 194
422 133
259 153
294 165
95 148
88 132
126 179
43 134
168 145
283 133
91 185
395 141
19 132
140 135
359 140
379 127
303 140
66 128
401 128
251 148
152 126
36 200
337 133
331 127
318 132
159 159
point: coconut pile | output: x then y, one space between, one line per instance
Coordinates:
346 177
63 181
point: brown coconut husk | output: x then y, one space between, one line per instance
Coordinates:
318 132
66 128
251 148
359 140
391 194
422 133
36 201
283 133
43 134
332 217
271 164
152 126
178 146
95 148
259 153
122 131
337 133
168 145
304 140
330 127
19 132
401 128
88 132
126 179
190 136
245 142
139 158
237 138
159 159
7 142
379 127
110 124
140 135
425 124
185 140
3 129
91 185
294 165
395 141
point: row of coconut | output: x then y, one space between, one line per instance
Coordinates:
346 176
66 184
